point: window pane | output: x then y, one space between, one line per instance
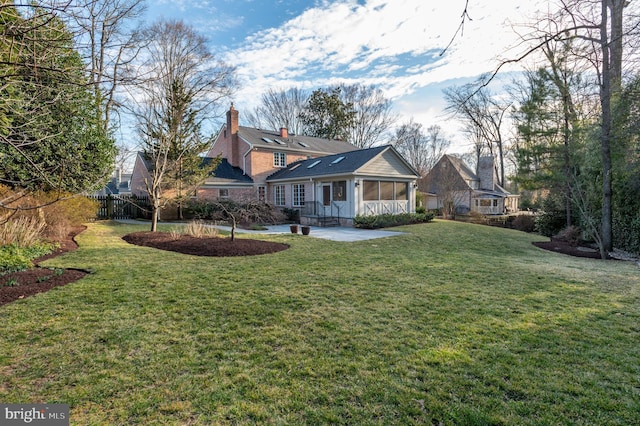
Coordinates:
279 195
340 190
401 190
279 159
386 190
298 195
370 190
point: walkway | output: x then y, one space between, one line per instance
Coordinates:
333 233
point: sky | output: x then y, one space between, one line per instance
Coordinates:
396 45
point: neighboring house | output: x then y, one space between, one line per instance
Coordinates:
120 184
323 178
140 175
452 186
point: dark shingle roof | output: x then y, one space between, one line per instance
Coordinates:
295 143
337 164
225 172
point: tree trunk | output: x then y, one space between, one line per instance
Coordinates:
605 138
154 219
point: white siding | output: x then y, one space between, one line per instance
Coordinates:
388 164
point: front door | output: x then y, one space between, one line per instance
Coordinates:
326 195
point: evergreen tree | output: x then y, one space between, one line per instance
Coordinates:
327 116
50 138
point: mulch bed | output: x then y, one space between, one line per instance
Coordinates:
205 246
565 248
19 285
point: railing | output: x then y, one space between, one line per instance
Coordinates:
321 212
374 208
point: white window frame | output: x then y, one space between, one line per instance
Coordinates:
279 195
280 159
262 193
297 191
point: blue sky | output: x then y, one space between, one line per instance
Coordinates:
394 44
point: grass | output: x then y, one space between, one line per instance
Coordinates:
450 323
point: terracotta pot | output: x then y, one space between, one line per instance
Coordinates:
306 230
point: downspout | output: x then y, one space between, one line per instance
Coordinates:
313 193
244 160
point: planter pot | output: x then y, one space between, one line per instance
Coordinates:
294 229
306 230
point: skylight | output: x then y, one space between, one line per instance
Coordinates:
315 163
337 160
267 140
295 166
303 144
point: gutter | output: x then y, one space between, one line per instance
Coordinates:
244 157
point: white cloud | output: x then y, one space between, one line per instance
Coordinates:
346 37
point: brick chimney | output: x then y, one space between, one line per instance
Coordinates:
232 137
284 132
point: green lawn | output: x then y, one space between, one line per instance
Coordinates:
451 323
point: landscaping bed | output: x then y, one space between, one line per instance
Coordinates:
19 285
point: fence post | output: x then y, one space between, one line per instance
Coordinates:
109 207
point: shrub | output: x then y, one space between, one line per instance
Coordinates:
65 214
199 229
626 233
388 220
15 258
552 219
477 217
292 215
21 231
421 209
524 223
570 234
248 212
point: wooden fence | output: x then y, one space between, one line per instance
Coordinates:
122 206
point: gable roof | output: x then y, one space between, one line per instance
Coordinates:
344 163
293 143
439 177
465 172
226 173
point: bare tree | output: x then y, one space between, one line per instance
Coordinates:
598 29
373 117
280 108
485 114
421 149
109 41
185 84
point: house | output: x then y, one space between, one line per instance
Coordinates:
339 187
119 184
452 186
326 180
